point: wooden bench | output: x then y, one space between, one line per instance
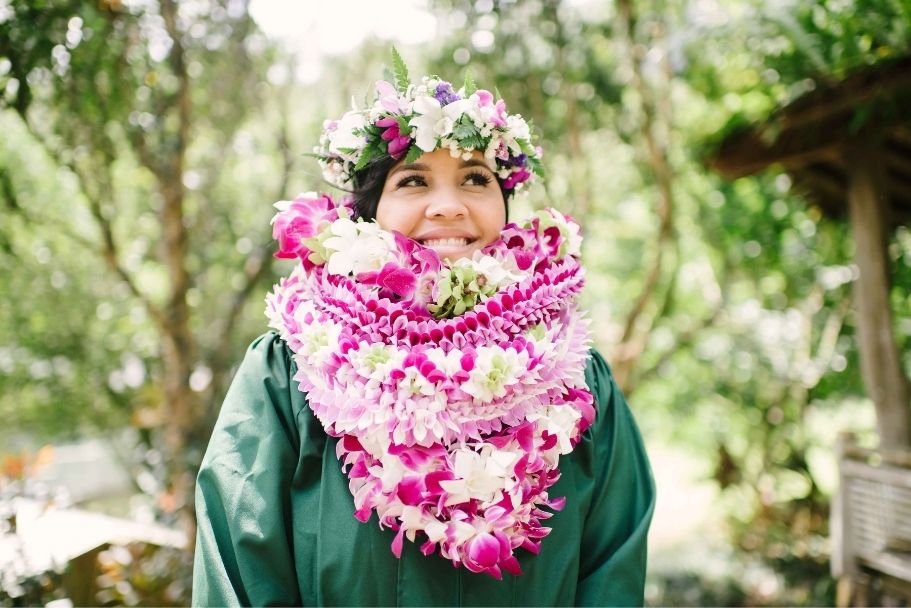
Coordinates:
870 527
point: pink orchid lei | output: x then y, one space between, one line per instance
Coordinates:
453 388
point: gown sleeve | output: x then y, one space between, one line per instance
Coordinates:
613 548
244 553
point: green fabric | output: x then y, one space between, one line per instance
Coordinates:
277 526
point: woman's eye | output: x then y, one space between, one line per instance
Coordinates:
477 179
410 181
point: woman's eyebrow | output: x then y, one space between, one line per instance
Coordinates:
474 162
410 167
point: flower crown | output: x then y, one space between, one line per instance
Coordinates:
407 120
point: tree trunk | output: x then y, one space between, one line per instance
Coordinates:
179 345
639 323
880 360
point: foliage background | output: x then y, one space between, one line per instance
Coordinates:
723 307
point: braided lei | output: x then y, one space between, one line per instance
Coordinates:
454 388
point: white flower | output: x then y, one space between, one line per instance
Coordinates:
495 369
559 421
319 342
495 272
427 428
343 136
390 472
375 361
516 129
433 120
448 363
414 383
435 530
480 475
482 116
358 247
414 520
573 240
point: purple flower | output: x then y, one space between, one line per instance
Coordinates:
444 94
515 178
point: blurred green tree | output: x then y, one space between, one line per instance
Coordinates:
132 155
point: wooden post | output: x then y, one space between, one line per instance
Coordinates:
880 361
842 559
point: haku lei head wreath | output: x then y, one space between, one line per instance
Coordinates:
454 388
407 120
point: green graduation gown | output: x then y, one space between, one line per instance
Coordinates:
277 527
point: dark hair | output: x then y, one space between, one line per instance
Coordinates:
369 182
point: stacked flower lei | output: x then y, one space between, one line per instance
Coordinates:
408 119
454 387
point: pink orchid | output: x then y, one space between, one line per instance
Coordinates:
400 281
389 97
398 143
412 253
483 552
303 218
499 117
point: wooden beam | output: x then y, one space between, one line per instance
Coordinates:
817 124
748 154
880 360
847 95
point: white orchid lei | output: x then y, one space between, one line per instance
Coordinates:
408 119
453 388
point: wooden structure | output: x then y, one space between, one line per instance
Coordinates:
847 147
871 526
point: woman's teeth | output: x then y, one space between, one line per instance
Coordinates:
445 242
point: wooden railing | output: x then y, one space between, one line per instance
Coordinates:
871 526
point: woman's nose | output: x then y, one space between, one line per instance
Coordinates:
445 204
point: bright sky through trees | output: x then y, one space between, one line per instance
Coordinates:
314 29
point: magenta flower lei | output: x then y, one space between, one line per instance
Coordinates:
453 388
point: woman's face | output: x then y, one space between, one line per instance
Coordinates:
451 205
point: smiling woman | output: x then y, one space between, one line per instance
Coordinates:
430 380
451 205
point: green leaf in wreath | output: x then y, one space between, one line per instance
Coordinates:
414 153
469 86
400 72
